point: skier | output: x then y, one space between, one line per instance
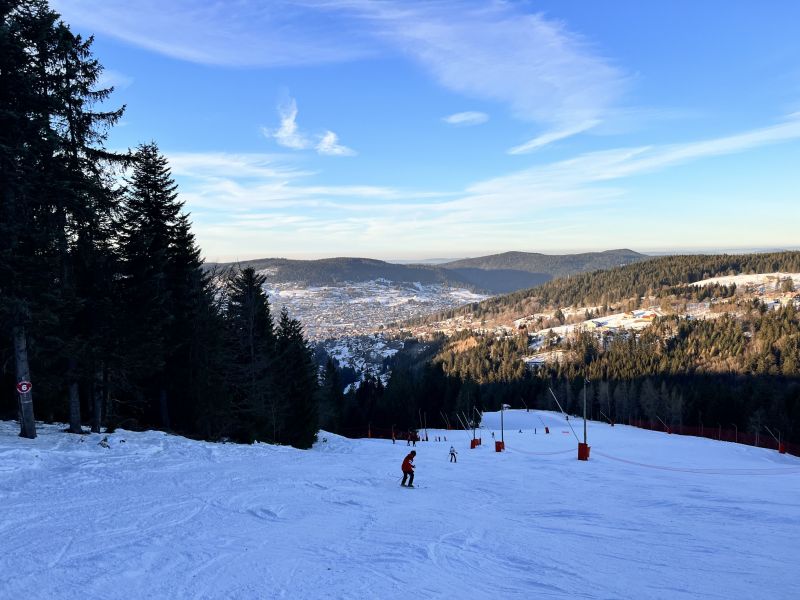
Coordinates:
408 469
453 455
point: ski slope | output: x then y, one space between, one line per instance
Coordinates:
159 516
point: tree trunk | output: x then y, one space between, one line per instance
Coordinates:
74 398
162 401
97 402
108 409
26 420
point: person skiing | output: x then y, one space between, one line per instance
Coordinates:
408 469
453 455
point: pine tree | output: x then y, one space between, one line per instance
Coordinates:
331 398
297 382
55 195
150 220
258 413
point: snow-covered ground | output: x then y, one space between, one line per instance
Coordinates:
356 308
158 516
365 354
769 281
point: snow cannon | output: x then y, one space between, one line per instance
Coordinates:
583 451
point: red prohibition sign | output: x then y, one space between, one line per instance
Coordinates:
23 387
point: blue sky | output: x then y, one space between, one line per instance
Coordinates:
399 129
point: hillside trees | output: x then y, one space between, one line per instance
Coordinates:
56 201
658 277
104 300
251 333
331 398
297 383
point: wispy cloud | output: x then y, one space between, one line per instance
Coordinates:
553 136
288 135
245 33
469 117
626 162
329 145
111 78
236 199
544 73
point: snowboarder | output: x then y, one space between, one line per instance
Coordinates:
453 455
408 469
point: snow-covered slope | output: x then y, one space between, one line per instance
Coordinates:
159 516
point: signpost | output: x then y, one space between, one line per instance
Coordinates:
23 387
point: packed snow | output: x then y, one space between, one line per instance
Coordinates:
154 515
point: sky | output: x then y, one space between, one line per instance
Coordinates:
408 130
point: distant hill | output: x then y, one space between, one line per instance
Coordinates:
511 271
596 288
555 265
495 274
331 271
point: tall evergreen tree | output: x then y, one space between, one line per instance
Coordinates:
54 192
331 398
297 382
258 412
149 223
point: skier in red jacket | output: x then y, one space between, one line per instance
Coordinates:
408 469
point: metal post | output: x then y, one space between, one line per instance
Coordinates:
502 439
777 438
736 430
473 423
584 410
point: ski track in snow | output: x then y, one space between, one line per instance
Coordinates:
159 516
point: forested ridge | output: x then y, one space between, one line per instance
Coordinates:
497 273
739 368
556 265
105 306
651 278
